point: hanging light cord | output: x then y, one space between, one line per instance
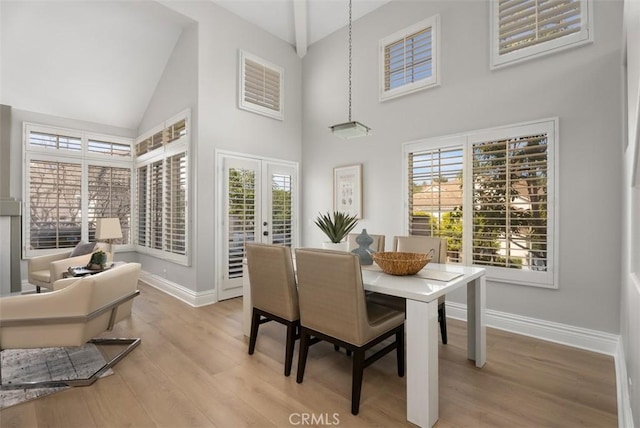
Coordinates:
349 60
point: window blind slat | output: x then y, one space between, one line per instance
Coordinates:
526 24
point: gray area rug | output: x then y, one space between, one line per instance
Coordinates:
29 365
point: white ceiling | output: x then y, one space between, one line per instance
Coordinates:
317 18
100 61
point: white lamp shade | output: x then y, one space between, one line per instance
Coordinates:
108 228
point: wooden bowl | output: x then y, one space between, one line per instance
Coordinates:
397 263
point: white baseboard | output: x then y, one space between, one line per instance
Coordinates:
577 337
190 297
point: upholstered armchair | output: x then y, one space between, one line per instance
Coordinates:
71 316
43 271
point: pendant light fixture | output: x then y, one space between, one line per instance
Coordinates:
350 129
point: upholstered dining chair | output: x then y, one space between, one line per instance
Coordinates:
273 293
333 308
418 244
377 245
71 316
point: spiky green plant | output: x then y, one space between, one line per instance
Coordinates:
336 227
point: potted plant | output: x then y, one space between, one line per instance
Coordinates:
336 227
98 260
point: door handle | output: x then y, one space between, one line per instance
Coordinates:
265 233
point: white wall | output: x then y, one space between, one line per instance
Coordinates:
580 86
176 91
221 125
630 296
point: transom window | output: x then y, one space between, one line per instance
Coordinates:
409 59
490 193
522 29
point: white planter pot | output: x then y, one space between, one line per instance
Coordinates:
340 246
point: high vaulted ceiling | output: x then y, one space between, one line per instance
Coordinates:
299 22
93 61
100 61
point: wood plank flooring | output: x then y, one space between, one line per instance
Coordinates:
192 370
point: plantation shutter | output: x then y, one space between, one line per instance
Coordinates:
176 131
155 204
143 201
261 86
175 204
109 148
242 210
510 203
435 196
408 59
54 141
109 196
55 189
281 209
525 23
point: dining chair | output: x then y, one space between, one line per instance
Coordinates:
418 244
333 308
377 245
273 293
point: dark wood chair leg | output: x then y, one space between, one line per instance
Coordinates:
291 342
400 350
255 323
356 383
337 349
442 319
302 354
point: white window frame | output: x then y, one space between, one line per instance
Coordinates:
82 157
432 22
549 126
255 108
165 151
584 36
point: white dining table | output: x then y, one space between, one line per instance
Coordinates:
422 292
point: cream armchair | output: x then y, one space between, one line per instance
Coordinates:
43 271
71 316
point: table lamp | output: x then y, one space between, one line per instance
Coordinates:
108 229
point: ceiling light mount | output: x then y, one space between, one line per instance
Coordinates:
350 129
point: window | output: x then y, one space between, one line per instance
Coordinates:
409 59
490 193
261 86
162 171
523 29
73 178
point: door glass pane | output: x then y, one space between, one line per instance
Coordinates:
281 209
241 221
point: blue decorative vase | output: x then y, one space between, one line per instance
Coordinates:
363 251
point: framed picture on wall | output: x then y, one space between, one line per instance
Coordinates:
347 190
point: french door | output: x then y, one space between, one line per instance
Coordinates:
259 204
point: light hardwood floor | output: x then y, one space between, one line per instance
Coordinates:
192 370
